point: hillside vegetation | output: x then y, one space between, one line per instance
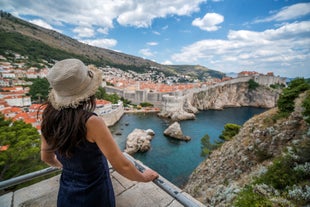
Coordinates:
31 40
267 163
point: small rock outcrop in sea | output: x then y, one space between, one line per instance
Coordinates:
175 131
139 140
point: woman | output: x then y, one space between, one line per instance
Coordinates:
75 139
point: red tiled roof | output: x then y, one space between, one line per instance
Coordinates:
4 147
102 102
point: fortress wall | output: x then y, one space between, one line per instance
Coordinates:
156 98
172 103
269 80
111 90
112 117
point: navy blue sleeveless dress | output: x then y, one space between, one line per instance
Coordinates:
85 180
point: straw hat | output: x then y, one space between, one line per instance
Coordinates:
72 82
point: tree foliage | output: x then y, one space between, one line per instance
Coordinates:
23 148
230 130
289 94
252 84
146 104
102 94
113 98
206 146
306 105
289 175
39 89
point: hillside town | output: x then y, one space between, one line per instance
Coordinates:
16 76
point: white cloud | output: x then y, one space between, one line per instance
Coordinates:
146 52
243 49
288 13
141 14
103 30
84 31
44 24
165 27
167 62
103 43
101 13
152 43
209 22
156 33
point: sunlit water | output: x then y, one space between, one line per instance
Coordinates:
176 160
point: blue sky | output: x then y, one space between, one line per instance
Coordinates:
224 35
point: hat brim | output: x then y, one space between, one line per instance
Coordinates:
59 102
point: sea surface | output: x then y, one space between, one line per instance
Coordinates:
173 159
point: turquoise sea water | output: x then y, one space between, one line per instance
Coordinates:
176 160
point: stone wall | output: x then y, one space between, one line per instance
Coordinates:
139 96
113 116
231 93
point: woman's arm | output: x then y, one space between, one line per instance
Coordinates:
98 132
47 156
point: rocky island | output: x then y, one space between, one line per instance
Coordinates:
175 131
139 140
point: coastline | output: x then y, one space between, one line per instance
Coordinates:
142 110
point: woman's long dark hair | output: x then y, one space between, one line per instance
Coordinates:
64 129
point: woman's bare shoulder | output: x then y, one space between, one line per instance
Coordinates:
93 119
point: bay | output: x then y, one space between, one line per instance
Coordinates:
173 159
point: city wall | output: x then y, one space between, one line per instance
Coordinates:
159 99
140 96
112 116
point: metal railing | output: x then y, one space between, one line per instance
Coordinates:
27 177
168 188
172 190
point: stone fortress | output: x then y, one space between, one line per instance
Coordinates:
183 104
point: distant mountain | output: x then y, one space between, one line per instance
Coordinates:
232 74
34 41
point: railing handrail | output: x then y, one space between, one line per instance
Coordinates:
171 190
24 178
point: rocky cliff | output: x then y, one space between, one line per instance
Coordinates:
218 179
235 95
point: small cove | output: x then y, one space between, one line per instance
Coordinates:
173 159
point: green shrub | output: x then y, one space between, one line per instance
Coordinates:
206 146
248 198
146 104
280 174
230 130
277 86
252 84
306 105
289 94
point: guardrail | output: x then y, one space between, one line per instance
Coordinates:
171 190
160 182
24 178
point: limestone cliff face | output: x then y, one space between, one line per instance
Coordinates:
235 95
177 108
217 180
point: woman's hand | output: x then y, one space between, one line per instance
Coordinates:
150 175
